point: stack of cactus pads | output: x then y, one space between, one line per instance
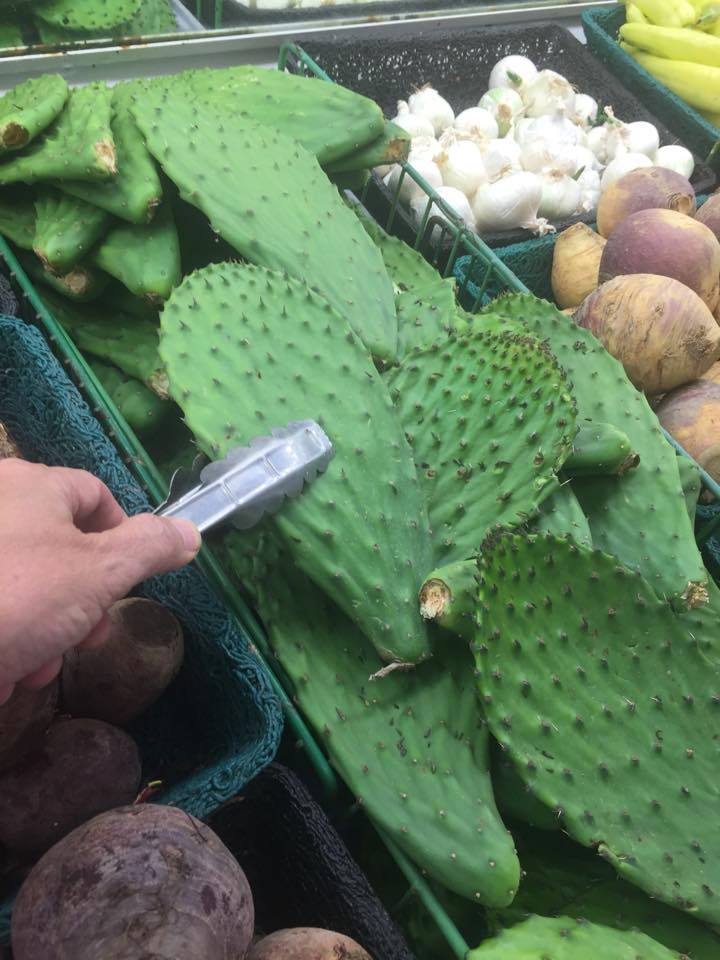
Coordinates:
73 21
491 607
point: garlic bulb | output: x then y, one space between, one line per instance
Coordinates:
461 166
412 123
548 93
427 102
477 122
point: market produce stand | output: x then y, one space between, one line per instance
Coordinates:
550 524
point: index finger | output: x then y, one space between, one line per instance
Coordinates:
92 507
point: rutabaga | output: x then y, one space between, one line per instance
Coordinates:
505 105
509 204
677 158
514 72
427 103
477 122
548 93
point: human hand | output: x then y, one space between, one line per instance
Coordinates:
69 552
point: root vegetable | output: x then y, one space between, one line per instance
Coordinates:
669 244
575 266
83 768
691 414
24 720
660 330
307 943
119 680
644 189
140 881
709 214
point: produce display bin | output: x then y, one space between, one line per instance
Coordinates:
457 62
601 28
219 723
276 829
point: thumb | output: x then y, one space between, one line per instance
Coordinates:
143 546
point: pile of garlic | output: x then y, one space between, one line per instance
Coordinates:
530 153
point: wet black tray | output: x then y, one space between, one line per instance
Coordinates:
458 64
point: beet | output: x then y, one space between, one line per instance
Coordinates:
83 768
644 189
307 943
661 332
144 881
24 720
120 679
668 244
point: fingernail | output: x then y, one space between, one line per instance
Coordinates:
190 535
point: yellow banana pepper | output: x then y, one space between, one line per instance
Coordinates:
672 43
667 13
697 84
634 14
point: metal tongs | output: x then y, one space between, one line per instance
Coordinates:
250 481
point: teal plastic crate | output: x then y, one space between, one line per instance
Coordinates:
219 724
601 26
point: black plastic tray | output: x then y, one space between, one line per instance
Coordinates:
457 63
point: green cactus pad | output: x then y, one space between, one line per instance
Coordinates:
392 146
77 146
411 747
135 193
490 419
607 703
17 217
448 598
329 121
561 514
81 284
690 482
66 229
624 516
152 17
10 33
600 449
248 350
29 108
424 317
231 169
127 342
563 938
91 15
516 801
143 409
145 259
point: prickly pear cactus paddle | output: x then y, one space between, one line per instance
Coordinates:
143 409
17 217
77 146
135 193
691 484
145 259
624 516
81 284
607 703
300 107
448 598
562 938
412 747
87 14
600 449
424 317
30 107
10 33
246 350
561 514
490 419
392 146
517 802
232 168
126 341
66 229
152 17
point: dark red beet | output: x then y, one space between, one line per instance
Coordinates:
83 768
142 881
24 720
